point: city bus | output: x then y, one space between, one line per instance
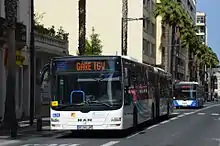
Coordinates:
105 92
188 94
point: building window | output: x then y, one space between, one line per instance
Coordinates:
146 47
200 19
202 29
152 50
148 4
144 2
153 30
148 26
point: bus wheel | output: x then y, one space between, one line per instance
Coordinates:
135 117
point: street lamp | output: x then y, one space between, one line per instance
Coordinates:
124 41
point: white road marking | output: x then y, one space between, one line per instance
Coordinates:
4 143
152 127
46 127
133 135
181 116
164 122
175 113
217 139
51 145
44 119
201 113
23 125
214 114
174 118
110 143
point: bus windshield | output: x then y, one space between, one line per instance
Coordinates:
185 92
97 88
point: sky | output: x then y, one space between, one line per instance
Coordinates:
211 8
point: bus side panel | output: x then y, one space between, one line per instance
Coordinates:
137 95
164 90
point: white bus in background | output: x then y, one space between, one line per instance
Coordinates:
105 92
188 94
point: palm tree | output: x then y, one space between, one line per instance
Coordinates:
171 13
82 26
10 114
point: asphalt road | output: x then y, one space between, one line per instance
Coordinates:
189 127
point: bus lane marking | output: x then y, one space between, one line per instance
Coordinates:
175 118
110 143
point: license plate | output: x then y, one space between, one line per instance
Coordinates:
84 127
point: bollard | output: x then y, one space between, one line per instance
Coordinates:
39 124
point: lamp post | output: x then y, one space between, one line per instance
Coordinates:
124 38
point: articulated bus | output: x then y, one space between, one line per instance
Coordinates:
105 92
188 94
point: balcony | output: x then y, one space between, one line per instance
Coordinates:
48 44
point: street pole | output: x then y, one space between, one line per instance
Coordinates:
32 65
124 29
10 115
82 26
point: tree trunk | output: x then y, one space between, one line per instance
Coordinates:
124 28
166 50
173 53
10 114
82 26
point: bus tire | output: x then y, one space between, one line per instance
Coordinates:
153 113
135 117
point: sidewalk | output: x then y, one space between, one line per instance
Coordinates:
24 126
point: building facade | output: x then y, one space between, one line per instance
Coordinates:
202 26
46 48
177 64
182 57
106 19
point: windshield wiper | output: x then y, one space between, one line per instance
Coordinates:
98 102
70 105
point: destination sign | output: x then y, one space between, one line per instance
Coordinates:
85 65
91 66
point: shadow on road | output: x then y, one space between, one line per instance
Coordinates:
111 134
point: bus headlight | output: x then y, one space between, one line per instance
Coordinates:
116 119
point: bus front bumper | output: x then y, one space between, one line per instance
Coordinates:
185 103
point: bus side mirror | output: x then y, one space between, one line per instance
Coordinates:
43 74
126 78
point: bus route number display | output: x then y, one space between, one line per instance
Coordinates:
91 66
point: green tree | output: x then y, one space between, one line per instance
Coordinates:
40 28
174 16
93 46
170 11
